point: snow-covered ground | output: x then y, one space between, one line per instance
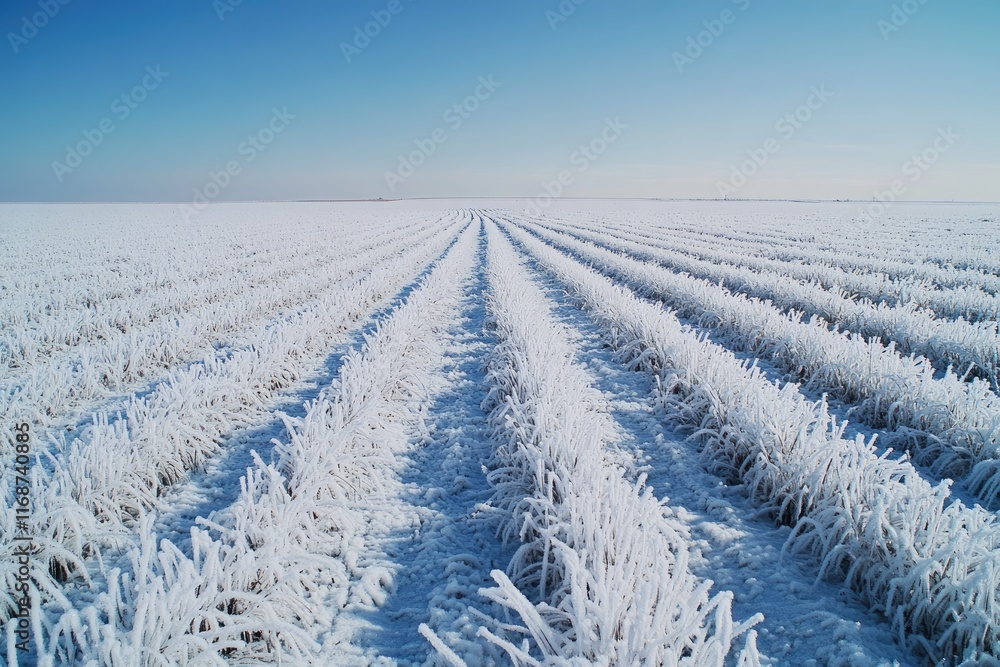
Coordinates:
373 433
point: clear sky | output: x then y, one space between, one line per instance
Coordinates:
270 90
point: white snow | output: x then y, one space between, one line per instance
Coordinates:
383 434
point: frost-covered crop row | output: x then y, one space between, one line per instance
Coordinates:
64 285
233 272
932 568
607 567
269 574
59 258
952 251
51 394
968 346
949 425
960 299
114 472
191 316
950 245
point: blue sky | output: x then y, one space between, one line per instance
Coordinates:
708 125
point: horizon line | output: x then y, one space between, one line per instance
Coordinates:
519 198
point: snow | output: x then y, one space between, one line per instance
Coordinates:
427 535
329 453
806 621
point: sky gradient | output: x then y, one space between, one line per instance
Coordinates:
262 100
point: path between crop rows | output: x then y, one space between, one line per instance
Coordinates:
218 485
426 551
806 622
436 555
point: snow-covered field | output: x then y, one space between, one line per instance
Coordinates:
472 433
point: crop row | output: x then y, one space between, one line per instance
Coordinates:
267 573
973 347
148 301
51 393
951 251
607 566
932 568
956 299
104 481
949 425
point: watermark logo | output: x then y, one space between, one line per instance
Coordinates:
582 158
455 116
912 171
900 16
248 150
223 7
30 25
562 13
787 126
363 35
714 28
122 107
